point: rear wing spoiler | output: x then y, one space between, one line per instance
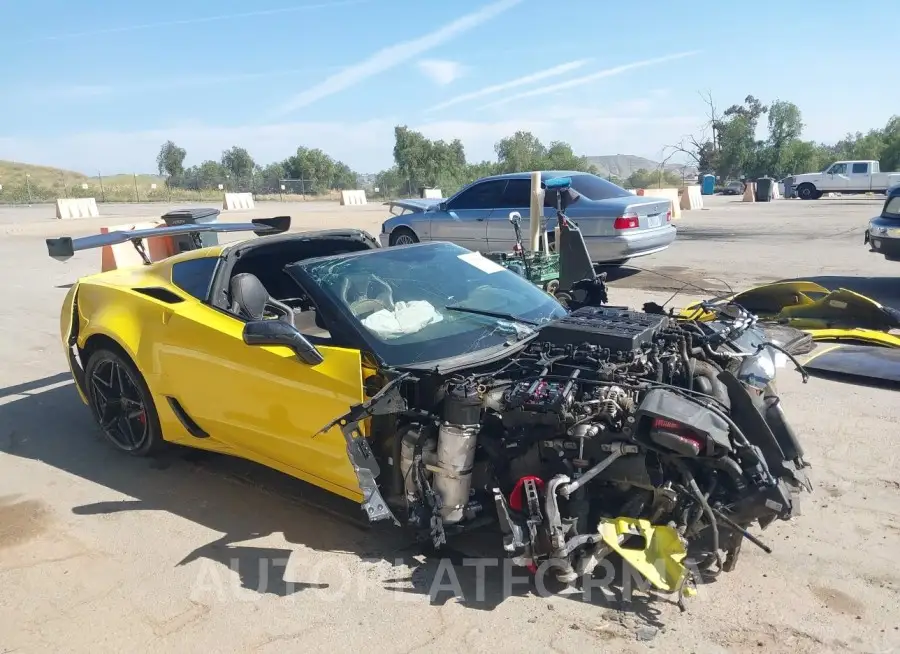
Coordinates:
65 247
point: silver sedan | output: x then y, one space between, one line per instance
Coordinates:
617 225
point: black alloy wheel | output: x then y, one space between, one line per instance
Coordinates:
121 404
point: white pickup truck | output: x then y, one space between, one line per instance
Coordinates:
846 177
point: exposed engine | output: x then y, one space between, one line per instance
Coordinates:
606 414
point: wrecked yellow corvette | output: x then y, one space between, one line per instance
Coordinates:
443 393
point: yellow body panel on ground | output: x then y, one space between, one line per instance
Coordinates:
833 316
258 403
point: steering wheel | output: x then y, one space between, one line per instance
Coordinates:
281 310
366 294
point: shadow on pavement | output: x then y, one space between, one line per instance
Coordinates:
243 501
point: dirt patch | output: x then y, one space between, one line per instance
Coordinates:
21 521
767 637
837 600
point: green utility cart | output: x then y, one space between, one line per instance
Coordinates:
540 268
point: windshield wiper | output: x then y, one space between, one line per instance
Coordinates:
492 314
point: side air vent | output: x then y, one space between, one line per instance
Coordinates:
161 294
187 422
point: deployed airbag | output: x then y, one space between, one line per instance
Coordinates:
406 318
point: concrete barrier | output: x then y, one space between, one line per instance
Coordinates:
353 197
123 255
750 192
691 198
76 208
670 194
238 202
432 194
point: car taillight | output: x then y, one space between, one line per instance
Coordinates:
626 221
669 216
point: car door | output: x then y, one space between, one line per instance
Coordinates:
500 233
259 400
836 179
860 178
465 218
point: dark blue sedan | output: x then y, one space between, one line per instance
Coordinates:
883 233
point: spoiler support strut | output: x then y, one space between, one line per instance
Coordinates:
65 247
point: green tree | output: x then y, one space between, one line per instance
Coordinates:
208 175
785 123
890 154
657 178
268 179
239 164
344 178
170 160
319 171
390 182
423 162
520 152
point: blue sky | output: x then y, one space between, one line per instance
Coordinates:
101 85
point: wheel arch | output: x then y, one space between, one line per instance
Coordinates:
113 316
101 340
404 227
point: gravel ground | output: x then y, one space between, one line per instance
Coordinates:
103 553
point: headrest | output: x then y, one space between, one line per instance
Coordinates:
248 296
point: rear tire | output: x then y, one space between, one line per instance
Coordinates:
403 236
122 404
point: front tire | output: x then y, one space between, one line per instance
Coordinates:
122 404
403 236
807 192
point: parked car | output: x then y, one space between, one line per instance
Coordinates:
733 188
883 233
617 225
846 178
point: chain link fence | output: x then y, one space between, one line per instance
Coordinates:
39 189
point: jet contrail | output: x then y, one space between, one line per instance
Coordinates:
194 21
393 56
520 81
609 72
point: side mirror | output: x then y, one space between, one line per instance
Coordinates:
278 332
442 206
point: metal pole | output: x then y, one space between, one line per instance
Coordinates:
28 186
102 192
136 198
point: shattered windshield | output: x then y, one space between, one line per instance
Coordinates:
432 301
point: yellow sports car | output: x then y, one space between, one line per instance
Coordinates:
441 391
